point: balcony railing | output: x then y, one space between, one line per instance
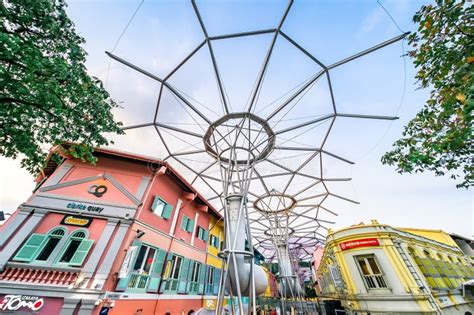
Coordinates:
375 281
137 282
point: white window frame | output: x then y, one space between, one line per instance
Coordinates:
375 278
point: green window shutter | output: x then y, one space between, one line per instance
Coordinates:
205 236
183 275
81 253
200 233
184 223
215 283
216 242
155 275
167 212
190 226
201 278
30 248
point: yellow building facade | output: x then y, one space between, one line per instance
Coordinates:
215 264
378 269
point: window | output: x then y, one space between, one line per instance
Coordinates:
214 241
176 266
76 249
194 280
187 224
144 260
371 272
209 280
202 234
161 208
40 246
53 239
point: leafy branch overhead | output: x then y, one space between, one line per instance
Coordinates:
439 138
47 96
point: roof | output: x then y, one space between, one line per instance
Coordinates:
51 166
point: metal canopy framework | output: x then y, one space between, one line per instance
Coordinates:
210 141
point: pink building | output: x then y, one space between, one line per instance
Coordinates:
105 238
315 262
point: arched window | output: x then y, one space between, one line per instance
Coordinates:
72 246
52 241
39 247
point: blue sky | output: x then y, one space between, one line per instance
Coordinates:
163 32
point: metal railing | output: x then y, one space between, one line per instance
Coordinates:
137 282
375 281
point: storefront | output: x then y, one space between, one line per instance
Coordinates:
375 268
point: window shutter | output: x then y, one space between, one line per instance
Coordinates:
156 201
183 276
126 265
184 223
205 235
190 226
81 253
30 248
155 275
216 242
167 272
167 212
202 278
215 283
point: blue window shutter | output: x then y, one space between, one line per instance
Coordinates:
190 226
202 278
184 223
167 212
183 275
216 242
155 275
81 253
30 248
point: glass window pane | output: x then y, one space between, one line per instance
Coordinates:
177 266
363 266
48 248
70 251
140 257
149 260
373 265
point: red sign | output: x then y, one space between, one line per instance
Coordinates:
363 242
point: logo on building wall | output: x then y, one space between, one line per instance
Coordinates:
76 220
97 190
364 242
16 302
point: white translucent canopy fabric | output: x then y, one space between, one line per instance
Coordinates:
285 128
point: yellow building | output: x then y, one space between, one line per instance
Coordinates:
214 245
378 269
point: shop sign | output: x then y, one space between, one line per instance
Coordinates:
17 302
363 242
76 220
83 207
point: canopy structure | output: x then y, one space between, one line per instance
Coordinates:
270 153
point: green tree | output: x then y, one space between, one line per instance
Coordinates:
439 138
46 94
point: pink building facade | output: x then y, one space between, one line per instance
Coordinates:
125 236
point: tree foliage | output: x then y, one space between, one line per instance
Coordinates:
439 138
46 94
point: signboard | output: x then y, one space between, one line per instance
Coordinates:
363 242
21 303
76 220
104 310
